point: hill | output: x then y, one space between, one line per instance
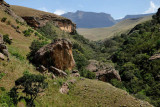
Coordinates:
103 33
134 16
83 93
90 19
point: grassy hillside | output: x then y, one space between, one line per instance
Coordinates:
103 33
24 11
83 93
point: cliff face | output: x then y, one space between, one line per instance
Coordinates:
38 22
37 19
57 54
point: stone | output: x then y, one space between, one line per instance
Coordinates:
75 75
154 57
75 71
41 68
57 72
53 76
57 54
2 57
65 88
104 72
73 81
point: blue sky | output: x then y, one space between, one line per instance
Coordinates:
117 8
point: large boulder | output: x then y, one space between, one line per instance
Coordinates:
57 54
104 72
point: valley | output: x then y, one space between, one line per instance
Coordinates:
46 62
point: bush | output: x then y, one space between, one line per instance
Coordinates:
6 39
35 46
3 19
17 55
28 32
117 83
87 74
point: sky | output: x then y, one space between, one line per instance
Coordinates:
117 8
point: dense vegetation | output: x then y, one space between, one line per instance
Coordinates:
131 53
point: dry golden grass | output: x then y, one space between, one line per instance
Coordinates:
103 33
24 11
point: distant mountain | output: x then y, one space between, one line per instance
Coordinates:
134 16
90 19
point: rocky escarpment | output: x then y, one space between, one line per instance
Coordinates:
6 8
38 22
57 54
37 19
3 49
103 71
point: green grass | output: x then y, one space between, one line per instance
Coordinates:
103 33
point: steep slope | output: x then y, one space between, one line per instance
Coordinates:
103 33
79 92
90 19
38 19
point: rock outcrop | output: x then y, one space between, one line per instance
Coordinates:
103 71
38 19
3 49
154 57
57 72
6 8
57 54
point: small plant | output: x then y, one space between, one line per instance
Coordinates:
6 39
28 32
8 22
87 74
3 19
1 75
17 27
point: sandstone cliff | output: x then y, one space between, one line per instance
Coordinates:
37 19
57 54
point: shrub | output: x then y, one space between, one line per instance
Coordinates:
117 83
35 46
3 19
6 39
28 32
87 74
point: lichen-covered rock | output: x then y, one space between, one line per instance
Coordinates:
3 49
103 71
57 54
57 72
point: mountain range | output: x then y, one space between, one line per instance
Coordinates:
97 20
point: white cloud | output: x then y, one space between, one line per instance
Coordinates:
59 12
43 9
152 9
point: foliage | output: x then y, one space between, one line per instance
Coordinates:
87 74
35 46
31 85
7 39
138 73
28 32
80 59
1 75
3 19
